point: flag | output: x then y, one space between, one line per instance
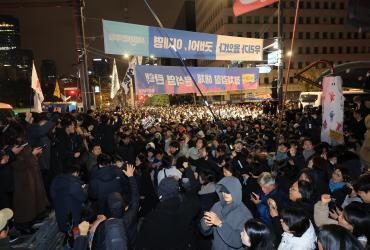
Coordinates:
244 6
57 90
38 97
127 80
115 81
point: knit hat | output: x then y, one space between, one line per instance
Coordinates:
168 188
5 215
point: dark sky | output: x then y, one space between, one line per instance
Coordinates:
49 32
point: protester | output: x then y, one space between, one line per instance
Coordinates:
257 236
332 237
6 215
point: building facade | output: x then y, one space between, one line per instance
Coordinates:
322 33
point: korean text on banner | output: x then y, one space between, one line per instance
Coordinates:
132 39
150 80
332 110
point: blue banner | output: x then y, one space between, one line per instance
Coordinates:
139 40
150 80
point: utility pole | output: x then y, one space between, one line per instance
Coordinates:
78 6
280 60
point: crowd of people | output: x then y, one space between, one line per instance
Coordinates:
173 178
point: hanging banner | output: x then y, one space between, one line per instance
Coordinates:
243 6
139 40
150 80
332 110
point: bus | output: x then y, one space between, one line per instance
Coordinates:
314 99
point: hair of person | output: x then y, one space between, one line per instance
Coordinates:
104 160
142 158
345 173
175 144
363 183
319 163
230 167
296 219
207 176
305 188
71 168
266 178
359 217
259 234
334 237
180 161
307 139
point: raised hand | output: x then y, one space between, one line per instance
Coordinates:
129 172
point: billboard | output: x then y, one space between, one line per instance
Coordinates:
150 80
139 40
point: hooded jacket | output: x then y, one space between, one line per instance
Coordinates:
68 197
233 217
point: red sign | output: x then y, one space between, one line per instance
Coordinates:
244 6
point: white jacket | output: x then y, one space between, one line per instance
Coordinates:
306 242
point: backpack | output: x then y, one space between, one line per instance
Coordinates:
115 235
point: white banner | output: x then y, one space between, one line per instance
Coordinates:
332 110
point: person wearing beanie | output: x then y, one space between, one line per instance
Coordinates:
227 217
6 215
167 226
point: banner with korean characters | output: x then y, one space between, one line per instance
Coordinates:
139 40
332 110
150 80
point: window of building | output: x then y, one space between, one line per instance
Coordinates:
230 33
239 19
340 35
349 35
324 35
240 34
331 50
355 50
256 34
284 20
363 35
308 50
291 79
308 35
283 4
324 20
300 20
275 34
300 65
324 50
291 20
317 20
290 35
308 20
301 5
326 5
256 19
332 35
348 50
249 34
317 5
341 20
340 50
300 35
333 5
316 50
308 5
248 20
355 35
275 20
230 3
266 19
230 20
265 35
300 50
332 20
341 5
292 4
317 35
266 80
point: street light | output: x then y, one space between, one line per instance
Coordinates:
126 56
289 53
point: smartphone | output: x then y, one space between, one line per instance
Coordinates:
24 145
44 146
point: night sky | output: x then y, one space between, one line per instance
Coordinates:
49 32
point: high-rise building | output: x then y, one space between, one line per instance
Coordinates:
321 33
48 77
9 39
